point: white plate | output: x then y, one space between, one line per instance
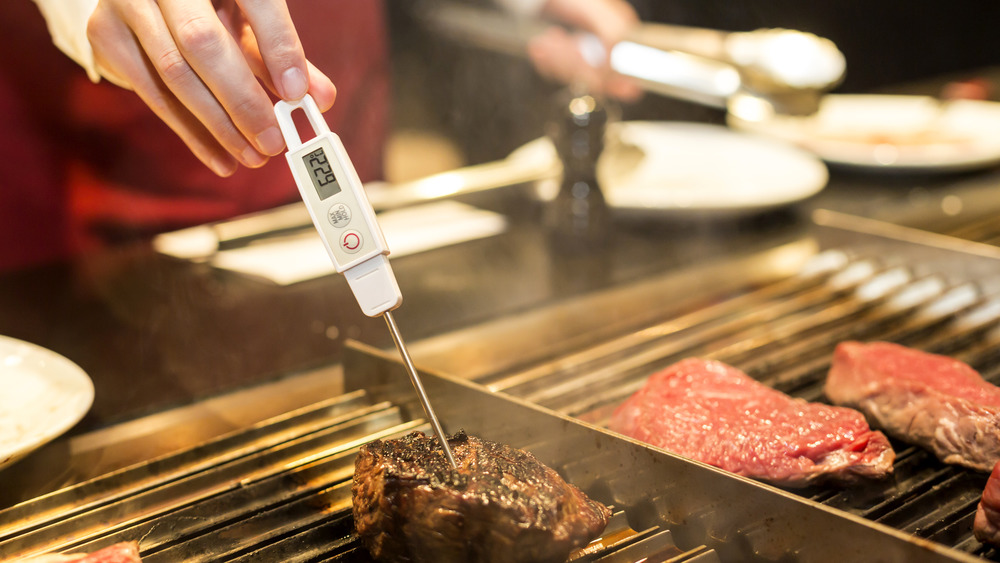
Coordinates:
42 395
899 133
656 167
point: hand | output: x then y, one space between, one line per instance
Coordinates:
556 53
197 67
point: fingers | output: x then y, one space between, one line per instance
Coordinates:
198 69
321 88
279 46
118 54
200 61
609 20
556 55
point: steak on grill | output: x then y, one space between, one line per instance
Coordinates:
501 505
714 413
933 401
986 526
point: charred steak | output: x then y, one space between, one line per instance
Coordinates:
714 413
986 526
932 401
501 505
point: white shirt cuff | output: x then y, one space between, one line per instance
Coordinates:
522 7
67 22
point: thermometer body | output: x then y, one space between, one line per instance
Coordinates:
336 201
340 210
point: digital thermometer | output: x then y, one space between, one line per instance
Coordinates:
339 208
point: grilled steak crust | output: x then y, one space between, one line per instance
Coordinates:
501 505
714 413
933 401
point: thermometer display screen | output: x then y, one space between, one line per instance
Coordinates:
321 174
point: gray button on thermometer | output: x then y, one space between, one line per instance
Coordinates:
339 208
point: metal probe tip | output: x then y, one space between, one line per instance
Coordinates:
415 379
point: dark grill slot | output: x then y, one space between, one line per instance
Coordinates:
329 539
925 512
956 532
877 499
259 529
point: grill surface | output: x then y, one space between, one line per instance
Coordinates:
783 334
280 491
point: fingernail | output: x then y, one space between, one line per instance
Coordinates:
252 158
270 141
223 166
294 83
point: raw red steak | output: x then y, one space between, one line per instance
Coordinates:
932 401
987 523
714 413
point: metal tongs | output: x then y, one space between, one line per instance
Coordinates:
776 70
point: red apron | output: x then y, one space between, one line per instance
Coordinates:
85 165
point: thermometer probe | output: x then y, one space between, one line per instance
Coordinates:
339 208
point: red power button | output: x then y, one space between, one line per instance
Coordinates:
351 241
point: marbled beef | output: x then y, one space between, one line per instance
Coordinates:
502 505
712 412
932 401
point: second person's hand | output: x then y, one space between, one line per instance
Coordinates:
197 67
556 53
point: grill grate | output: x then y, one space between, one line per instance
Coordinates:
783 335
279 491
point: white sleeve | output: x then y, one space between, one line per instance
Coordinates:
522 7
67 22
